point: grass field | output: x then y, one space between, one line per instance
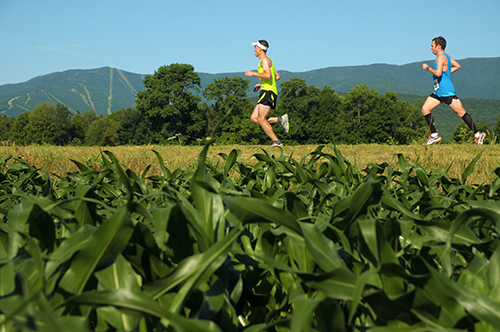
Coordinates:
452 158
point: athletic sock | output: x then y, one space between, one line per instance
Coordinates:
430 122
468 119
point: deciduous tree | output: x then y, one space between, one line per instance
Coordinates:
230 97
18 132
81 124
49 124
5 125
168 106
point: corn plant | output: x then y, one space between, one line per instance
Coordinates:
283 245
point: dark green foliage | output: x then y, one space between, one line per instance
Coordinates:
496 129
47 124
167 107
18 131
5 127
81 125
102 131
128 126
362 116
286 245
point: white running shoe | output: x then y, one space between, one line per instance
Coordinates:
277 143
284 122
433 140
479 138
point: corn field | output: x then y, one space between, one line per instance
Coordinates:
281 245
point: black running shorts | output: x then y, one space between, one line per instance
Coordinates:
268 98
447 100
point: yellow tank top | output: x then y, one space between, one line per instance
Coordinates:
268 84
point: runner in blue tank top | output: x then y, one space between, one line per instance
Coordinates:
444 92
443 87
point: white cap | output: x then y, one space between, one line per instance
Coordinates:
260 45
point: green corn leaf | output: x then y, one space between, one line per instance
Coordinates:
359 288
482 307
105 243
300 174
120 275
121 174
140 302
338 284
368 193
251 210
7 276
193 267
270 178
209 207
454 232
493 271
83 168
422 176
86 211
230 161
470 168
165 171
67 249
40 223
161 217
327 259
304 308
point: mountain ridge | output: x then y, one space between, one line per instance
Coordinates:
108 89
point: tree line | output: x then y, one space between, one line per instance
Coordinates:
170 111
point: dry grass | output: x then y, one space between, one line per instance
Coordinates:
454 158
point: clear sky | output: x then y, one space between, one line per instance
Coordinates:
39 37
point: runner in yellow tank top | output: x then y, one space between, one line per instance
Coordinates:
268 93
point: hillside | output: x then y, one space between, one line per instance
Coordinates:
108 89
104 90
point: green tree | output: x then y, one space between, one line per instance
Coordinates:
128 125
408 124
49 124
229 95
496 131
104 131
368 117
5 125
18 132
326 119
168 105
81 124
297 99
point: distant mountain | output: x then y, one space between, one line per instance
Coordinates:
104 90
108 89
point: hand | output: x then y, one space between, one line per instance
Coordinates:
256 87
425 66
249 73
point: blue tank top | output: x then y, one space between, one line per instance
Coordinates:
443 87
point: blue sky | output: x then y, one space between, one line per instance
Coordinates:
42 37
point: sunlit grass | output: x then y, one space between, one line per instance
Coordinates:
451 158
